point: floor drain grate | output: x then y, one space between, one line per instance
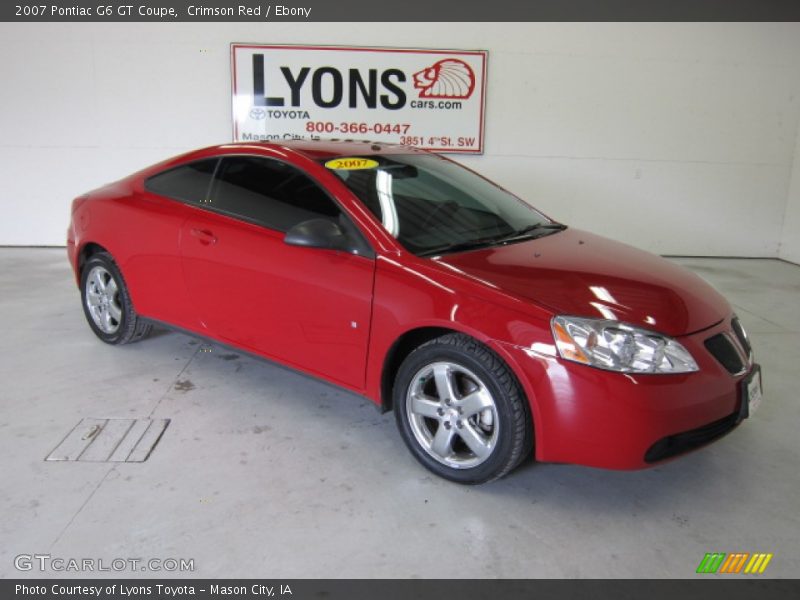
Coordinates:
110 440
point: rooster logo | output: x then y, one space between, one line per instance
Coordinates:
448 78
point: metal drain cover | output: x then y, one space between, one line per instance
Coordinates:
110 440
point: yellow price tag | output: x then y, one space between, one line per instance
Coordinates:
351 164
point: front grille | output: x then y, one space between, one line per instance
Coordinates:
679 443
740 335
722 348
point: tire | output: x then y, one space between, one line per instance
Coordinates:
107 303
461 411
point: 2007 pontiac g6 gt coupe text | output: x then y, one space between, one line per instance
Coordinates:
490 330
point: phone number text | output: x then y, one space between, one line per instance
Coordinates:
351 127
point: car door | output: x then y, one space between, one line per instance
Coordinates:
150 225
307 307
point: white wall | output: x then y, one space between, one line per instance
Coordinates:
678 138
790 242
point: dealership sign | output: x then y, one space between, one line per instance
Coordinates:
433 99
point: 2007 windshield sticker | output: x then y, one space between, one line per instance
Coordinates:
351 164
433 99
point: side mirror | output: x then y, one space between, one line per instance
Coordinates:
318 233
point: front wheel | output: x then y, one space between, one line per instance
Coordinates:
107 304
461 411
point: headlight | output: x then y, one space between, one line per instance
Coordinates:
617 347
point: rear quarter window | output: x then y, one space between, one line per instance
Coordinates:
189 182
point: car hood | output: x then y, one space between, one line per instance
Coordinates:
577 273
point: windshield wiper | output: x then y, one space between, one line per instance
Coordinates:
530 230
521 234
457 246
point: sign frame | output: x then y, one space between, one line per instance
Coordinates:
479 86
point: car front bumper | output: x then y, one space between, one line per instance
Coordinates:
589 416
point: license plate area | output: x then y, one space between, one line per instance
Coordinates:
752 393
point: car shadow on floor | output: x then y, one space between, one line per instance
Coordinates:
568 487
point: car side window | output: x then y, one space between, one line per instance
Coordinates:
269 192
189 182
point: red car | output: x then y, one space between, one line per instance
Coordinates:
490 329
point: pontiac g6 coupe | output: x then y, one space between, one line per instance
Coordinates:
491 330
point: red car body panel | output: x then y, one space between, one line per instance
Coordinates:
578 273
338 316
249 288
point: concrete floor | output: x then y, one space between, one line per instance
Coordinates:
264 472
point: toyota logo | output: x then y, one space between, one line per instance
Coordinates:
258 113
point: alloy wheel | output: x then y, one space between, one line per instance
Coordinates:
452 414
102 300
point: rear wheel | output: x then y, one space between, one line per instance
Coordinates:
461 411
107 304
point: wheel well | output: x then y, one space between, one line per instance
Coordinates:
86 252
403 346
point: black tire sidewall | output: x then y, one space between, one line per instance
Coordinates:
497 463
127 323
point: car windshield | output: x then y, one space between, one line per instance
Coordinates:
434 206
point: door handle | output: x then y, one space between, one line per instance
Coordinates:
204 236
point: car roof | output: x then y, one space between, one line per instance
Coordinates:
316 149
